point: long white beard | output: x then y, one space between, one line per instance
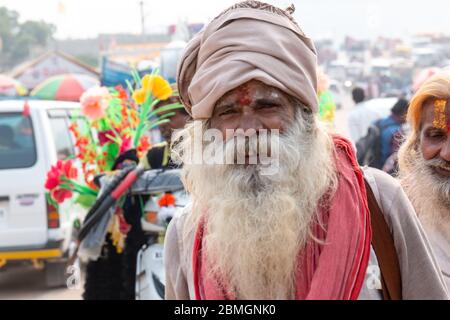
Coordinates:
429 193
257 224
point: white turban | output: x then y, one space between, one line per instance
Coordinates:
249 41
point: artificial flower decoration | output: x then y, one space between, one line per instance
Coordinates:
166 200
62 170
61 181
119 229
111 121
158 86
139 96
94 102
105 137
154 85
144 146
125 145
52 179
60 195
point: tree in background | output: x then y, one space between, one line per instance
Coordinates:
18 40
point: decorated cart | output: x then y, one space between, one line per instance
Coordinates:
110 175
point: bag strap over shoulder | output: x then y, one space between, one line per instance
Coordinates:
383 245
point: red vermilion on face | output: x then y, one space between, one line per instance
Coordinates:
243 95
253 105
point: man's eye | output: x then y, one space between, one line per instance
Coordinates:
435 134
226 112
268 106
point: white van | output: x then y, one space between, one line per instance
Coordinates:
32 138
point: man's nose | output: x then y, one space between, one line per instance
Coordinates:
445 151
249 120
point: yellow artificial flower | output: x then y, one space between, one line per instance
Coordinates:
139 96
158 86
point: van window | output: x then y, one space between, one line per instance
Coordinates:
61 137
17 145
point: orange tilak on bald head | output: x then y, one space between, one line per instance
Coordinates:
435 92
440 120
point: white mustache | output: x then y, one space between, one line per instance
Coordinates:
438 163
258 149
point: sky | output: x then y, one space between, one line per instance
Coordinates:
318 18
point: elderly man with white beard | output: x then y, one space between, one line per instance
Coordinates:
304 230
424 163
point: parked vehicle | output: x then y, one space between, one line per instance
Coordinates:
150 274
33 136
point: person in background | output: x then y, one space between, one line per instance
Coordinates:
424 163
391 134
377 149
177 121
159 155
356 119
25 133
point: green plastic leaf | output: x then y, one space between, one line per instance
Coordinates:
166 115
112 152
86 200
136 77
157 123
50 200
130 87
172 106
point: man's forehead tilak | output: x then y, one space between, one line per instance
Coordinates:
440 118
243 94
246 93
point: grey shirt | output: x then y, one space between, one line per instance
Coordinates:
421 277
440 242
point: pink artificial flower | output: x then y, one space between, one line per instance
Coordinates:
94 102
126 145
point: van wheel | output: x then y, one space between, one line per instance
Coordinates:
55 274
